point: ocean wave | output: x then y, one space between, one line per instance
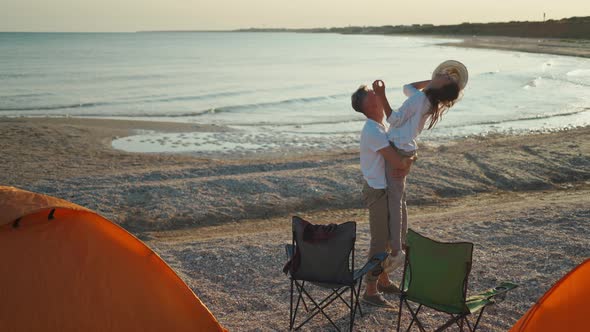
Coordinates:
579 73
21 75
537 81
52 107
230 108
201 97
291 101
236 108
26 95
529 118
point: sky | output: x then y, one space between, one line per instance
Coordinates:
136 15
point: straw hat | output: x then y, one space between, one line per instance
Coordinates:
455 69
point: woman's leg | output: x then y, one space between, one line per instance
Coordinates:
404 230
395 198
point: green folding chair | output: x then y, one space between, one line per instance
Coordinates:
435 276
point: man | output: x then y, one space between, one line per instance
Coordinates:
374 151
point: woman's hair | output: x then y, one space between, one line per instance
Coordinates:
358 97
441 100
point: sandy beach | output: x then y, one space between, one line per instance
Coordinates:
221 222
523 201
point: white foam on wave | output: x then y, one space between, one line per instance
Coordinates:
547 65
533 83
299 139
239 143
579 73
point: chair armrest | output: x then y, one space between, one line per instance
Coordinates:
491 294
371 263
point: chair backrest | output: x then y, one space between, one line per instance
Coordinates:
436 272
324 251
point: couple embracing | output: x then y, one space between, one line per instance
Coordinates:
387 151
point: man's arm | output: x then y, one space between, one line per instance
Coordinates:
379 88
401 165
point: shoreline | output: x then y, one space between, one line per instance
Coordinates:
565 47
72 159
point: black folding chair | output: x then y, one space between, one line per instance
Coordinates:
323 255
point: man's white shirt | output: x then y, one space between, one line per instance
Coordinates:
373 139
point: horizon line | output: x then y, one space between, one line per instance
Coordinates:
287 29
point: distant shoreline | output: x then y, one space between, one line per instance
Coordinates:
568 37
578 48
567 28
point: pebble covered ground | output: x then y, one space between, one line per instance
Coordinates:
532 239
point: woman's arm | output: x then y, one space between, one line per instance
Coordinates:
420 85
379 88
412 88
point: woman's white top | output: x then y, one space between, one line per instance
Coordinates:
409 120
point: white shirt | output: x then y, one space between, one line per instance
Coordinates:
373 139
407 123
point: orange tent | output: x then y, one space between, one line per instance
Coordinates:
565 307
66 268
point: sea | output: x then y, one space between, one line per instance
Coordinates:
273 92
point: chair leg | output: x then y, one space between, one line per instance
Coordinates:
459 322
478 318
299 299
299 288
320 310
351 307
450 322
302 298
468 325
291 308
399 314
357 295
336 294
415 317
339 295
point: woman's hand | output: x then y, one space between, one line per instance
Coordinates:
379 88
407 165
399 172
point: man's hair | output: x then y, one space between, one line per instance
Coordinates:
358 97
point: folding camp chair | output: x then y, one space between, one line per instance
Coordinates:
435 276
323 255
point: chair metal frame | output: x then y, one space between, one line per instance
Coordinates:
461 319
337 290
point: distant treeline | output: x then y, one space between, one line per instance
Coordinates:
574 27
